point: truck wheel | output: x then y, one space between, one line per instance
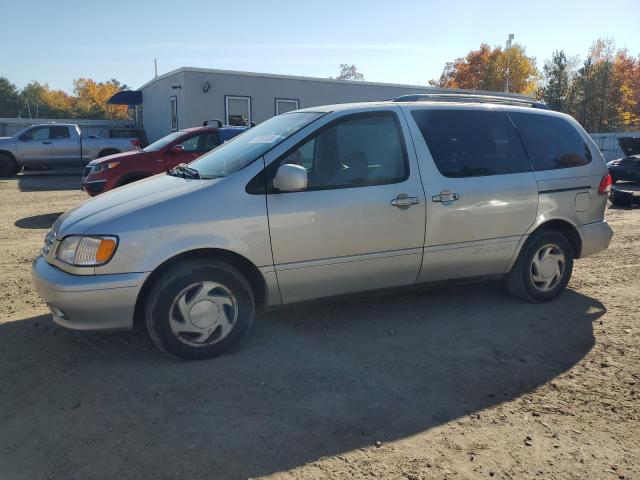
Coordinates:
109 151
8 166
543 268
199 309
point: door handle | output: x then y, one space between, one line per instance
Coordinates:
46 143
404 201
445 196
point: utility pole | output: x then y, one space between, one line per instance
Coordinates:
155 66
509 40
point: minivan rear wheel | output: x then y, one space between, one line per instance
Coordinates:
199 309
543 268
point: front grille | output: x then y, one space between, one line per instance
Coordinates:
86 172
48 243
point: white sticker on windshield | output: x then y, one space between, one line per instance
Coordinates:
265 139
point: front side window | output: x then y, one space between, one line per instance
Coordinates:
471 143
357 151
173 112
39 133
250 145
238 110
163 142
201 143
284 105
551 142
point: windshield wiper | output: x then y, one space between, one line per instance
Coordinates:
184 171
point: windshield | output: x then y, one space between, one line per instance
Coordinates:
163 142
239 152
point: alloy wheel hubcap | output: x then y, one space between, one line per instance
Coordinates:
547 267
203 314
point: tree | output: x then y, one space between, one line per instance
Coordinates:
487 69
349 72
558 77
9 98
92 98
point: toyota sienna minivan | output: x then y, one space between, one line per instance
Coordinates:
328 201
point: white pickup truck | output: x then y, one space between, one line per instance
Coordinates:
56 145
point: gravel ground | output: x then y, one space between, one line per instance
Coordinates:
460 382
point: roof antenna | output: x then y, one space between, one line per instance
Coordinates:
155 66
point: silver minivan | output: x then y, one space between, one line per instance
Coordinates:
329 201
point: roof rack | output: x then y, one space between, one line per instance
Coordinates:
471 97
207 122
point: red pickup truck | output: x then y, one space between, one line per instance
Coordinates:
183 146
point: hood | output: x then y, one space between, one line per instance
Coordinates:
117 156
4 138
630 145
124 200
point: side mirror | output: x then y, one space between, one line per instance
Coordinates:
290 178
177 149
23 137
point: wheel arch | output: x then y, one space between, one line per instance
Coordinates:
245 266
10 154
566 228
132 175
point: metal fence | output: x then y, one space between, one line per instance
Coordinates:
608 143
101 128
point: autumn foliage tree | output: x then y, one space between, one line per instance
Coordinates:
37 100
349 72
488 69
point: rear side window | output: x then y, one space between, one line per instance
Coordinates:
471 143
551 142
60 132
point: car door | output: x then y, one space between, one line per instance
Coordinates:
65 147
359 224
34 147
482 195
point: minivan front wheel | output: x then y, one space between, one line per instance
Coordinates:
198 310
543 268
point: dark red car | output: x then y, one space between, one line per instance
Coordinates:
183 146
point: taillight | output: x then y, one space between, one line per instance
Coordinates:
605 185
135 142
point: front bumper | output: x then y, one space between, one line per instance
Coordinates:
595 237
88 302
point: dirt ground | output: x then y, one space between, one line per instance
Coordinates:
460 382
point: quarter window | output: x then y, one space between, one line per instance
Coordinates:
551 142
238 110
284 105
471 143
173 107
358 151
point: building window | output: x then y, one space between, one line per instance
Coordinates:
284 105
238 110
173 104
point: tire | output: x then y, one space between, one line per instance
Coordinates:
8 165
107 152
216 297
529 281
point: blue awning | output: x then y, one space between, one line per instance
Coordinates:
126 97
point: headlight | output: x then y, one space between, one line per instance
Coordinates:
85 251
101 167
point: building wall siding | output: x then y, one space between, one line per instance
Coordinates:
196 106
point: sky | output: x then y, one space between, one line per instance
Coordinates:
391 41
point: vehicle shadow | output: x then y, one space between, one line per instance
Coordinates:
309 382
44 220
49 180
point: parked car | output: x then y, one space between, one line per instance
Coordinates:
330 201
56 145
183 146
628 167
